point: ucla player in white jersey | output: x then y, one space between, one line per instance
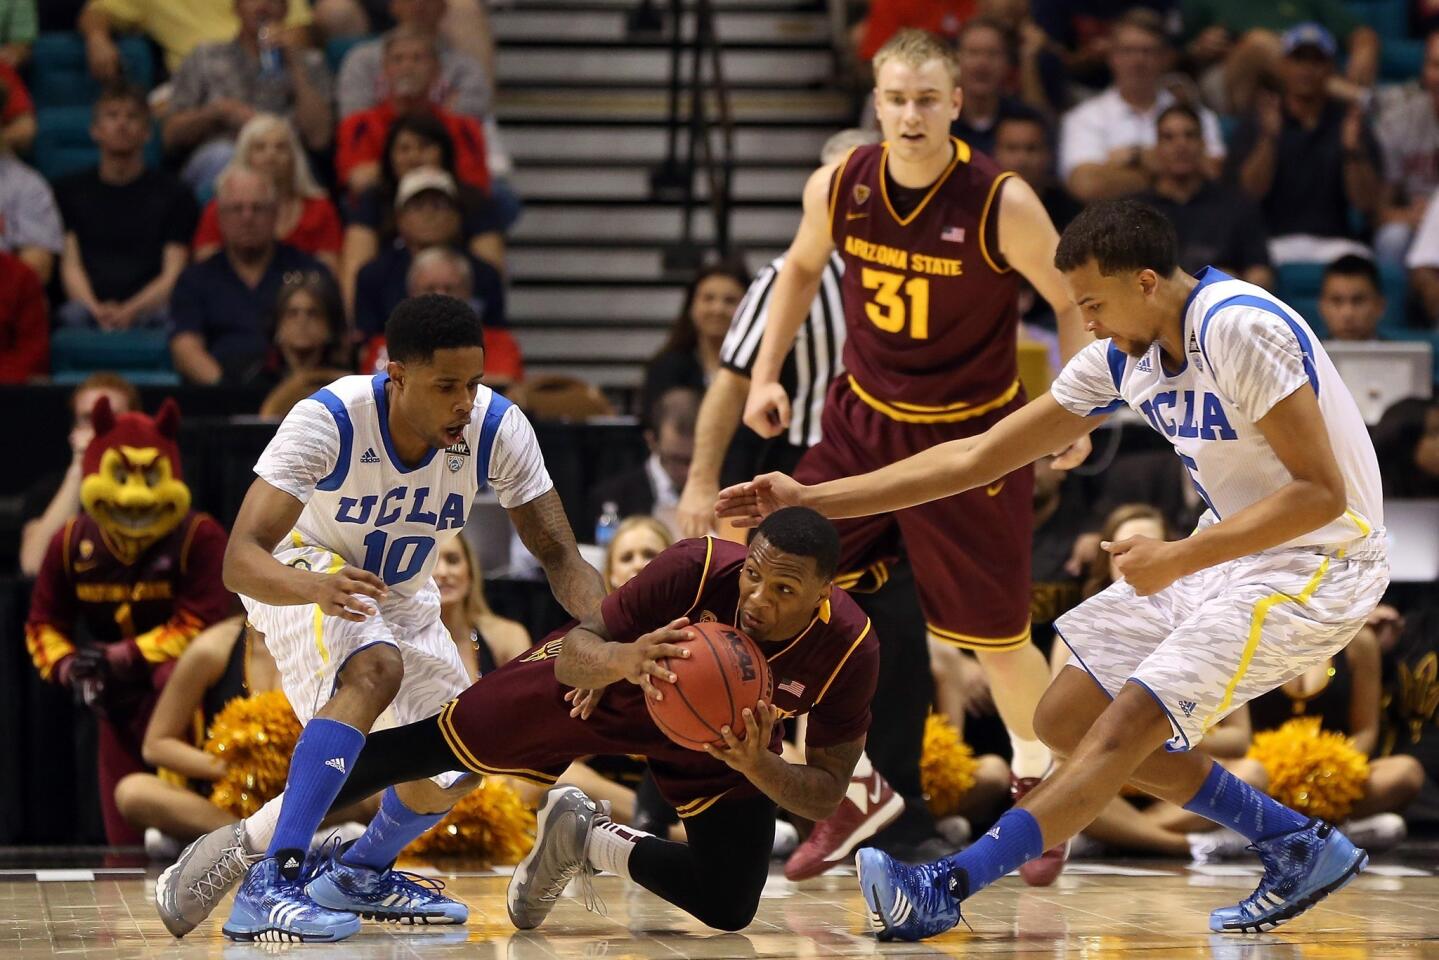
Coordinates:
331 554
1280 574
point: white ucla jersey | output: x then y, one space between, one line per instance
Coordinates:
1245 351
333 453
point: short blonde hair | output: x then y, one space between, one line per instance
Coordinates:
637 521
914 48
303 178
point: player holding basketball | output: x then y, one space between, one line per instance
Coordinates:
519 721
331 554
935 238
1280 574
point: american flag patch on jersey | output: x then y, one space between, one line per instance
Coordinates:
792 687
953 234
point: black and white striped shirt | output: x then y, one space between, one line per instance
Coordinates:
814 360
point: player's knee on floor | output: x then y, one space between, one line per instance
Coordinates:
730 912
374 674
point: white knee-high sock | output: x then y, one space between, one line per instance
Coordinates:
1031 757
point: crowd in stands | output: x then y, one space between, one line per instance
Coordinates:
300 199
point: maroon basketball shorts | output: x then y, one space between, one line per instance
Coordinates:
515 722
970 552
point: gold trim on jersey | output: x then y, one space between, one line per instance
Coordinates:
843 660
961 155
984 219
704 575
852 579
698 805
915 413
463 754
966 642
834 187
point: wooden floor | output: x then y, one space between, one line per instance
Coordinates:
1150 910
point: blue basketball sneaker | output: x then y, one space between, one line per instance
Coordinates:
382 894
909 902
1300 869
269 907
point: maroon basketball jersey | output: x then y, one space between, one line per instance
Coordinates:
931 308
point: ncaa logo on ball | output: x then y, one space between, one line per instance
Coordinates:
742 654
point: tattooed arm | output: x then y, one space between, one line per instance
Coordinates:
589 659
812 789
546 533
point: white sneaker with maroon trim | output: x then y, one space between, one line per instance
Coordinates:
869 805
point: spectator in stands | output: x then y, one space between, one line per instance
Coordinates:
17 116
1408 133
29 219
307 332
24 323
888 17
1217 224
637 540
654 486
1106 146
221 86
1406 441
461 86
219 304
1235 43
1423 263
1351 299
177 27
411 67
690 356
1022 144
1079 38
414 141
306 219
55 496
485 639
18 28
1121 523
127 229
986 58
1307 158
427 215
447 271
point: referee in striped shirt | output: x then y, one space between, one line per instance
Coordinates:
727 452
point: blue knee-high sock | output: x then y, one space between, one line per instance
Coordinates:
390 832
1013 840
323 758
1232 803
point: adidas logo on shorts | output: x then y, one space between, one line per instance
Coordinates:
1187 706
337 762
369 456
1143 366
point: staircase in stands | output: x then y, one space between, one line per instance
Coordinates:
582 110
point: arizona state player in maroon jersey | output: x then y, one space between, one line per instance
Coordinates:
933 235
524 720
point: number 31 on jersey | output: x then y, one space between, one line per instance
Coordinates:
898 302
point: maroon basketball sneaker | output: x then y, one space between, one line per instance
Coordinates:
1044 869
869 805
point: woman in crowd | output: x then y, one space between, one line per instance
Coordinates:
306 219
690 356
637 541
308 334
414 141
1407 442
485 639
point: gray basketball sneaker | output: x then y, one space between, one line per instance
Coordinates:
191 886
562 835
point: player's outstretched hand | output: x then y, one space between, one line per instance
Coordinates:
1146 564
695 515
746 504
766 409
745 754
340 594
583 701
638 662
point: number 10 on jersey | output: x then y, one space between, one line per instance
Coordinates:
898 302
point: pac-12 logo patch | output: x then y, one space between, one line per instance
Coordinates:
456 452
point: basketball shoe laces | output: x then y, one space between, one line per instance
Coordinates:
227 870
589 896
1281 855
414 888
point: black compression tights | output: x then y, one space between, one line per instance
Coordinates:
718 875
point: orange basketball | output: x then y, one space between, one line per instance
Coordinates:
724 674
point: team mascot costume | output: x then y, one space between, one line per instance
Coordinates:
124 587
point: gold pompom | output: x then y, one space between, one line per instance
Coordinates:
947 766
491 823
1317 772
254 736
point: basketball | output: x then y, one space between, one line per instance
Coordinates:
725 673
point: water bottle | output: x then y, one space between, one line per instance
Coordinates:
271 59
606 525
